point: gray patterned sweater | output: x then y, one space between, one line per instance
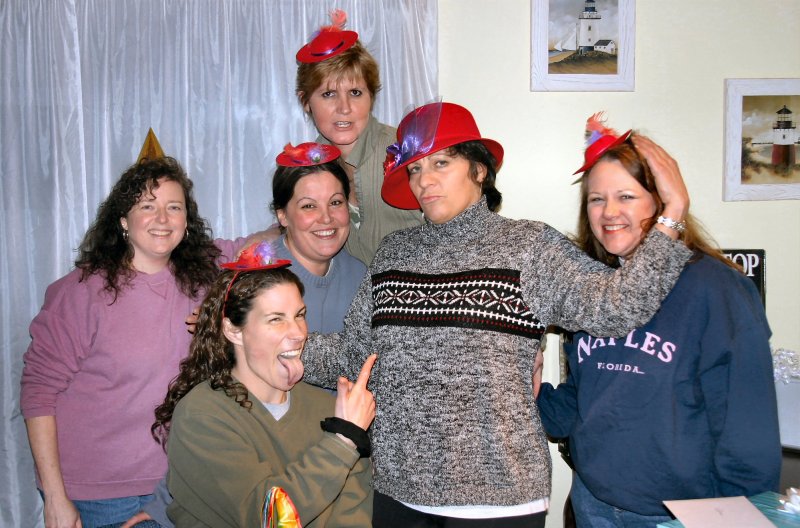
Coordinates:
455 312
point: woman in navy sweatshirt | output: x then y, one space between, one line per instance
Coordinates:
683 407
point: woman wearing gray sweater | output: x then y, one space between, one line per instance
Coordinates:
455 309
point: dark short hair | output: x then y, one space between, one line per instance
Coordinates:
477 154
285 179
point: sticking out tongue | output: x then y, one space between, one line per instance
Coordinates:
294 369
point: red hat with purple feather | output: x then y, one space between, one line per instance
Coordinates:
307 154
260 256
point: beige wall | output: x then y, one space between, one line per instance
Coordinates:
684 51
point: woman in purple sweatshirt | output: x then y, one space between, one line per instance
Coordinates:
106 343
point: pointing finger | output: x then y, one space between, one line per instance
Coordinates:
366 370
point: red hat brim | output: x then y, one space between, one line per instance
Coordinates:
456 125
326 45
596 150
237 266
396 190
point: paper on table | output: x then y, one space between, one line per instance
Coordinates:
725 512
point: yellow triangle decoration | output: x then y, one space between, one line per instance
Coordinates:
150 149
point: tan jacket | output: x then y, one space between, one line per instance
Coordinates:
378 218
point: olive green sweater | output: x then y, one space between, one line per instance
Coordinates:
223 459
378 218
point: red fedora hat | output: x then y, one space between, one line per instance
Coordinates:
428 129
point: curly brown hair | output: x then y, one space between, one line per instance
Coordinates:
211 356
105 250
695 236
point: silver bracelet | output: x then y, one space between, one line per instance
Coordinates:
680 227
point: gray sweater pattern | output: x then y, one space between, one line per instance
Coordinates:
456 420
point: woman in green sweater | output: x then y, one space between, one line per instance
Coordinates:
337 82
241 426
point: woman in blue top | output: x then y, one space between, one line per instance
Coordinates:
683 407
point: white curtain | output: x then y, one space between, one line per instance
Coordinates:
81 83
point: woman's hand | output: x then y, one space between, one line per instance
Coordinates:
136 519
354 402
191 320
538 368
59 512
668 179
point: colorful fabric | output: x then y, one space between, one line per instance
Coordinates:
279 510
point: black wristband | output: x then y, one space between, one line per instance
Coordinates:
349 430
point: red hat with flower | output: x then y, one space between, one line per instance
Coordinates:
599 139
328 41
255 257
427 129
307 154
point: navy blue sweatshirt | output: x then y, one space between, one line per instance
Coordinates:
683 407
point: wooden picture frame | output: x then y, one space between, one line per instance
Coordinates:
602 30
762 139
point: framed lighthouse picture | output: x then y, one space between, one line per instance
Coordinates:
582 45
762 139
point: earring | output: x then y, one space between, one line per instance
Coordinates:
186 234
125 234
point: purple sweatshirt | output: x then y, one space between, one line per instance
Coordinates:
101 369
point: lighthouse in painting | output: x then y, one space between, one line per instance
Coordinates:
588 27
784 136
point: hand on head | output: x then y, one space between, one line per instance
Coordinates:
668 179
354 402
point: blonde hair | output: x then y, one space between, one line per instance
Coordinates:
355 63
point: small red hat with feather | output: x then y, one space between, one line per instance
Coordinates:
328 41
255 257
307 154
599 139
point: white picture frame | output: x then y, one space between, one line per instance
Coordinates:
748 104
547 34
